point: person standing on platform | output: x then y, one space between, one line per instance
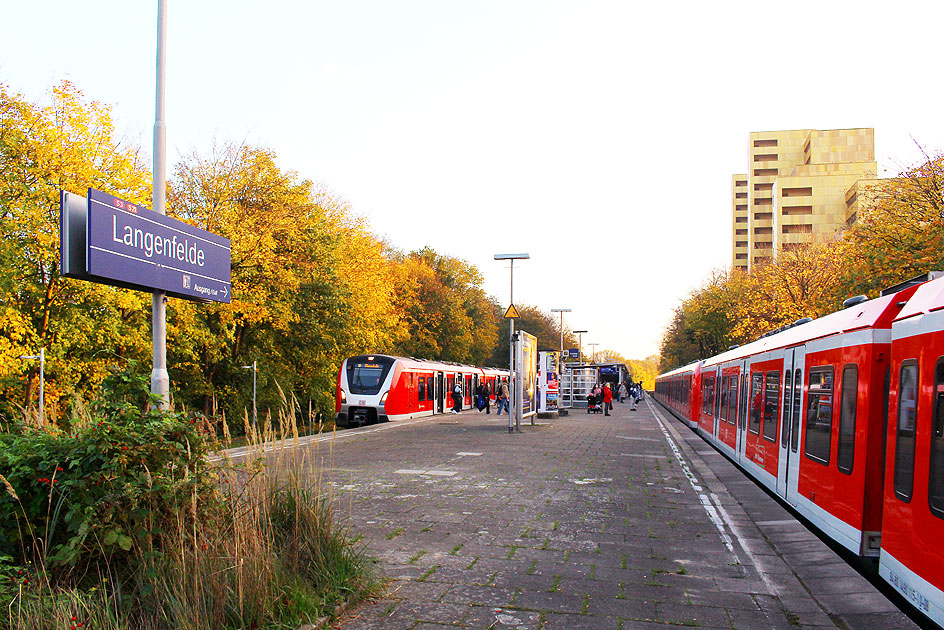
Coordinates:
607 399
457 397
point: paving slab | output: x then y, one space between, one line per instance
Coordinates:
584 521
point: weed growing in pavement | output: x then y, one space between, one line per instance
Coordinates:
119 520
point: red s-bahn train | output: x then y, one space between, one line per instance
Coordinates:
843 418
379 388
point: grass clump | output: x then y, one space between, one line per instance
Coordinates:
124 519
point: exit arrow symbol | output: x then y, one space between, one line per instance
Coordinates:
225 292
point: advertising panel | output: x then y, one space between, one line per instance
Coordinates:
548 382
527 370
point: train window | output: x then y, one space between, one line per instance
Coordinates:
725 380
732 398
421 389
847 419
936 482
757 402
819 414
366 374
719 396
797 408
905 430
743 405
771 405
787 398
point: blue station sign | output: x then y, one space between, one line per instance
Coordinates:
131 246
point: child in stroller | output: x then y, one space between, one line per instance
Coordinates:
594 403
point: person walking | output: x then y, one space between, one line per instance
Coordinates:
607 399
621 391
503 398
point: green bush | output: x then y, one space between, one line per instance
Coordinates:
121 520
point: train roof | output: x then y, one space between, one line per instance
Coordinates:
876 313
681 370
927 298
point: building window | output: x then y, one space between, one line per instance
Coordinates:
797 192
765 231
797 229
847 419
767 142
740 182
763 216
771 405
936 482
740 195
740 257
741 220
740 232
763 187
819 414
790 211
766 157
763 201
905 430
765 172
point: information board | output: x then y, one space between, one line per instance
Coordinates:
131 246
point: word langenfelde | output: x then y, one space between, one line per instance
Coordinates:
152 244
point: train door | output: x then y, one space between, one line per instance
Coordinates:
742 411
788 465
439 392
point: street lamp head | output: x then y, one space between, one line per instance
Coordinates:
560 310
29 356
511 256
247 367
578 332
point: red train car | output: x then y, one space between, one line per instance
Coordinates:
912 558
810 410
379 388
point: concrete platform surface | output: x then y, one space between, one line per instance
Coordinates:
585 521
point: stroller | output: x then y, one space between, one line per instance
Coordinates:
594 403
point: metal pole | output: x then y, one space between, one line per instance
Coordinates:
254 418
42 395
160 380
512 389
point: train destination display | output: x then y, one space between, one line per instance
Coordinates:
131 246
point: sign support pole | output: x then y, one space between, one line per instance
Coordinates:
160 380
512 381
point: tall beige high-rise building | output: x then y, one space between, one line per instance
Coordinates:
796 189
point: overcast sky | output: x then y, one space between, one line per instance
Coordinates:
599 137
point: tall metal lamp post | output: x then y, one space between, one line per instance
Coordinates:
579 334
253 368
42 368
512 384
593 350
560 357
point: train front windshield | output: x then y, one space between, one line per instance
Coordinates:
366 374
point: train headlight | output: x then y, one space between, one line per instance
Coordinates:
383 399
343 395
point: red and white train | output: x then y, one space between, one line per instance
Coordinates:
842 417
379 388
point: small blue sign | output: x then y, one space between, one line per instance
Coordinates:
130 245
573 353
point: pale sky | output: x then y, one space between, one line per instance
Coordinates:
599 137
